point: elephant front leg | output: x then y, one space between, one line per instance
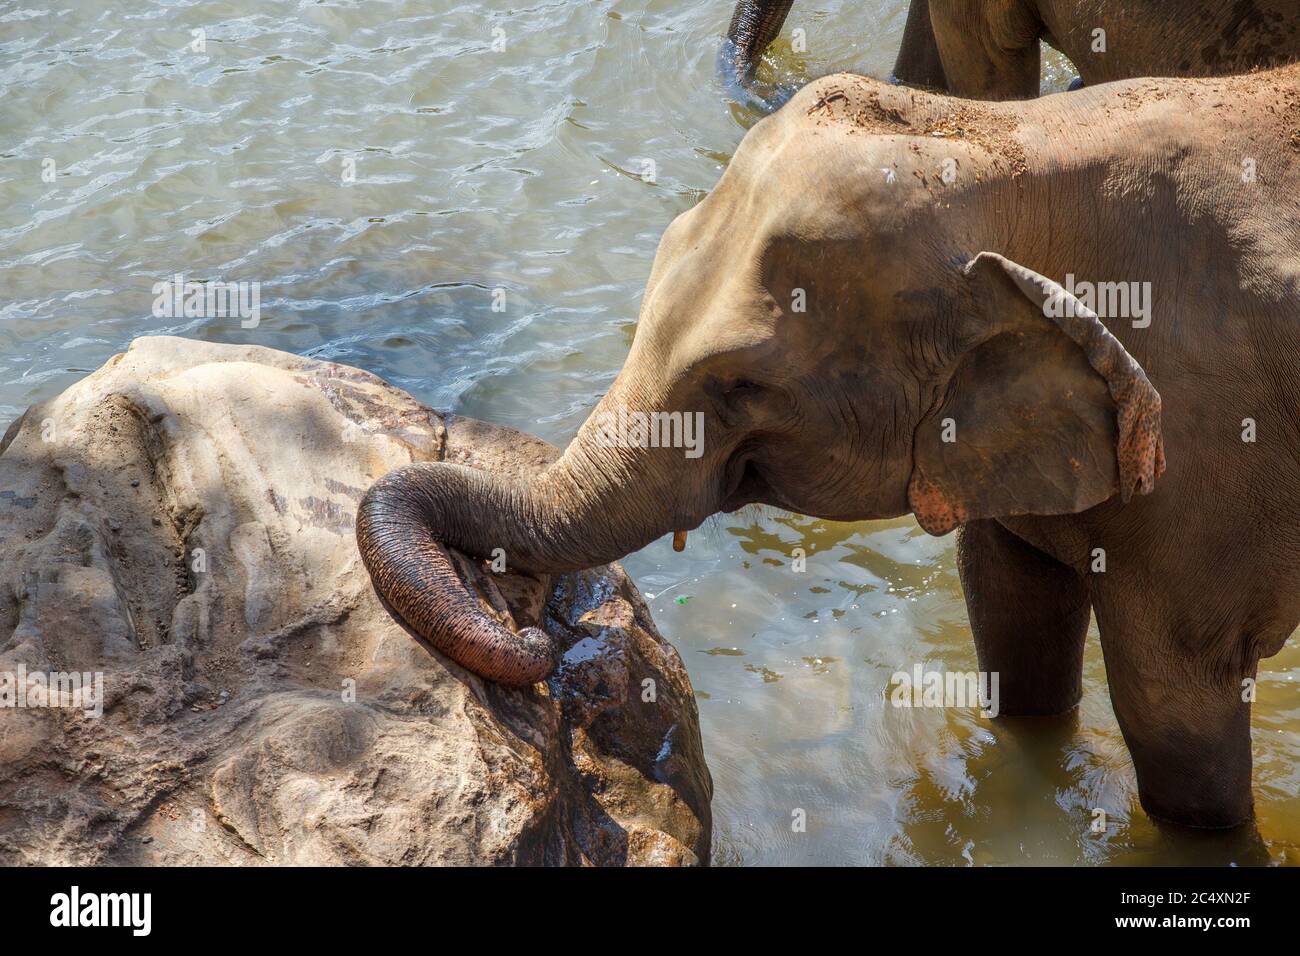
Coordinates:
988 51
1029 614
1184 718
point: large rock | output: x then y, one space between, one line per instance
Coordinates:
181 521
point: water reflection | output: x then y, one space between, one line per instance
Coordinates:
793 670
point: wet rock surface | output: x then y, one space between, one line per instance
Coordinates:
181 521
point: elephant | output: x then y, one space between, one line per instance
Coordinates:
982 49
892 302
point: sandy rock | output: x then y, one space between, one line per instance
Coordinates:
182 521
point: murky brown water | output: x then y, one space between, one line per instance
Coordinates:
478 169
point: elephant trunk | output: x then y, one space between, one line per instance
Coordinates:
754 25
581 512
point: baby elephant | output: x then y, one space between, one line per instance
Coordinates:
1000 317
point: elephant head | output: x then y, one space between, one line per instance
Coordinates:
794 348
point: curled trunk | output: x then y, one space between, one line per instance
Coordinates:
400 524
592 506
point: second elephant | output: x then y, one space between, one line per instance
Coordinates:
989 49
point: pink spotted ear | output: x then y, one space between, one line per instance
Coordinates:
1141 449
935 512
1044 411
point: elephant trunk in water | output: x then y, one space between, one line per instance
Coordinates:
754 25
562 520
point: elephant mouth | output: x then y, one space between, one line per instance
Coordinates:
746 485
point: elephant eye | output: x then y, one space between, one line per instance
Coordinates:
737 400
742 388
733 396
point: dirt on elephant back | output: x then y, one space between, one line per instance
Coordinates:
1286 93
1277 91
879 109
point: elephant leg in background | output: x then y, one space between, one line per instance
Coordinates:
918 62
988 51
1182 716
1029 614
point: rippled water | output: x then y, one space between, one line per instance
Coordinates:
479 168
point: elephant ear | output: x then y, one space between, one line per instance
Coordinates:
1045 412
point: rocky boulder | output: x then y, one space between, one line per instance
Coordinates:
179 527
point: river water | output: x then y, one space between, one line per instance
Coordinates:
381 168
